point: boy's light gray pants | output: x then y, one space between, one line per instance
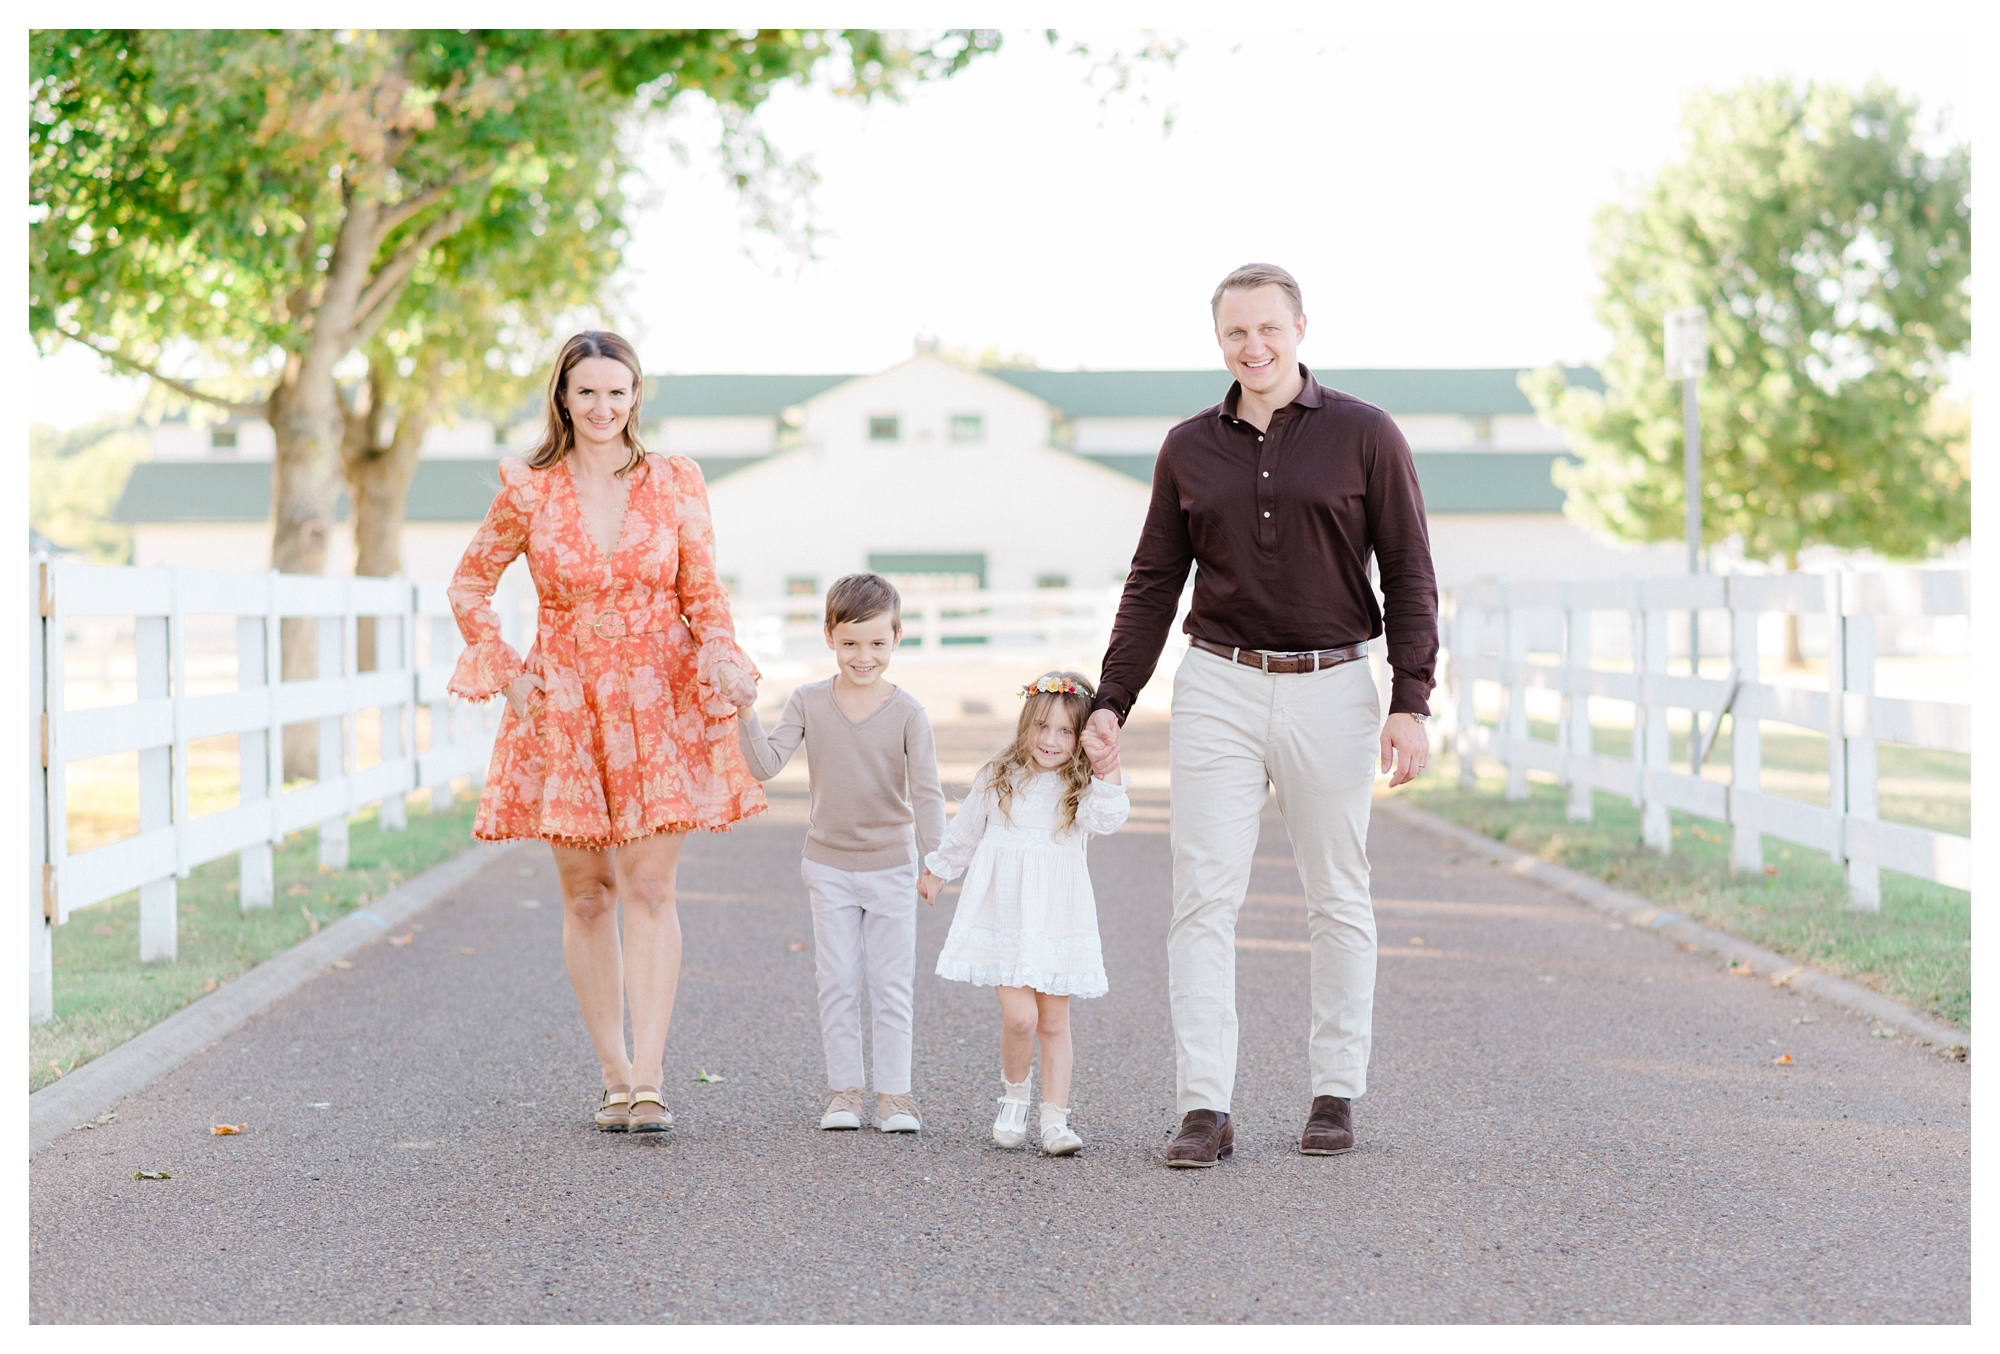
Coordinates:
865 929
1315 738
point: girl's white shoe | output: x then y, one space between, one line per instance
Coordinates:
1058 1138
1010 1129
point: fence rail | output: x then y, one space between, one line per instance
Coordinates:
936 622
1490 627
165 718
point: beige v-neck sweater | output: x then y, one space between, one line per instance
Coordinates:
871 783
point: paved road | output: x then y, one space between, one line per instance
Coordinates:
1569 1121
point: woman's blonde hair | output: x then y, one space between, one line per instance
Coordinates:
558 438
1011 768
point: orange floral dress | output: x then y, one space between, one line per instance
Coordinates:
630 735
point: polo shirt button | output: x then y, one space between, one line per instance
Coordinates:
1267 514
1267 474
1260 437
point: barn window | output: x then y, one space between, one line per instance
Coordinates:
968 427
884 429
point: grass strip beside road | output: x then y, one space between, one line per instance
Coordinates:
104 995
1918 949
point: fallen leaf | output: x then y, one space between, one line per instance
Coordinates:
325 868
1782 1059
467 949
151 1175
1787 976
1416 940
208 986
402 939
297 891
107 1119
1740 970
703 1074
1770 872
797 947
1883 1032
1687 947
82 1128
57 1069
311 920
224 1130
342 963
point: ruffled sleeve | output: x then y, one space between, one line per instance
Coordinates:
488 662
704 601
1105 806
961 839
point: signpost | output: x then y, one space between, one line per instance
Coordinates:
1686 360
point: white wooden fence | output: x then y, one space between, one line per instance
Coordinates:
164 718
1490 627
945 624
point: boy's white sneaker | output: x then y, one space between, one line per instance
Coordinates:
843 1110
1058 1138
897 1114
1010 1129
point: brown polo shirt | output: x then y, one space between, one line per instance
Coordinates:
1279 526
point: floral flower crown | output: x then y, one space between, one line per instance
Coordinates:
1052 686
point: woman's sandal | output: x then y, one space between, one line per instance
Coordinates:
613 1115
643 1120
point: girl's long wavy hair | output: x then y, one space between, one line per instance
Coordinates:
1013 767
558 438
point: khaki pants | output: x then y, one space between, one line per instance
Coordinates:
1314 737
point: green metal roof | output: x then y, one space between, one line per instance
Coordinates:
672 396
444 490
1472 391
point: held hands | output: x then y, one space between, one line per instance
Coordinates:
1404 746
929 886
519 690
1100 744
736 688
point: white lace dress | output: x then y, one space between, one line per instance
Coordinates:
1026 915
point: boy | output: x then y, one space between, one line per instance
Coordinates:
871 766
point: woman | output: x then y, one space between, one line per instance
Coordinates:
619 734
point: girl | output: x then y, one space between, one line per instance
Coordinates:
1027 920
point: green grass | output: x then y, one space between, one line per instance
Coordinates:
104 995
1918 949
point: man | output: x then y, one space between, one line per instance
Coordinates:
1277 496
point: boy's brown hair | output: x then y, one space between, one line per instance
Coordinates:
863 597
1254 275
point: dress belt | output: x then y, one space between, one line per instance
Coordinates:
606 624
1289 663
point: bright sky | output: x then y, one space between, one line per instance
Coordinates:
1433 193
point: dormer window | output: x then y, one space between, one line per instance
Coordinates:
885 428
968 427
222 441
1482 428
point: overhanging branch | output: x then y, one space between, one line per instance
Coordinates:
373 306
240 408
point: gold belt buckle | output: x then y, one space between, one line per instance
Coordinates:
597 624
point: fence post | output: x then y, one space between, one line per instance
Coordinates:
1580 762
1655 823
41 926
1746 742
1836 712
159 899
443 632
332 741
256 884
391 644
1864 873
1515 650
1464 657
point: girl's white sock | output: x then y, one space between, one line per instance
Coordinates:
1056 1115
1016 1090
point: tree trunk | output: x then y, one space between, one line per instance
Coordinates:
378 485
309 422
1795 654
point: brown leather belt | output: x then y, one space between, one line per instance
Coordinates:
1288 663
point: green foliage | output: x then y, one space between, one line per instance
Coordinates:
1832 252
200 186
73 482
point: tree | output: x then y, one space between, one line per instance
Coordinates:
281 202
1831 250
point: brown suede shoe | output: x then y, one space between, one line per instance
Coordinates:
1329 1128
1205 1138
